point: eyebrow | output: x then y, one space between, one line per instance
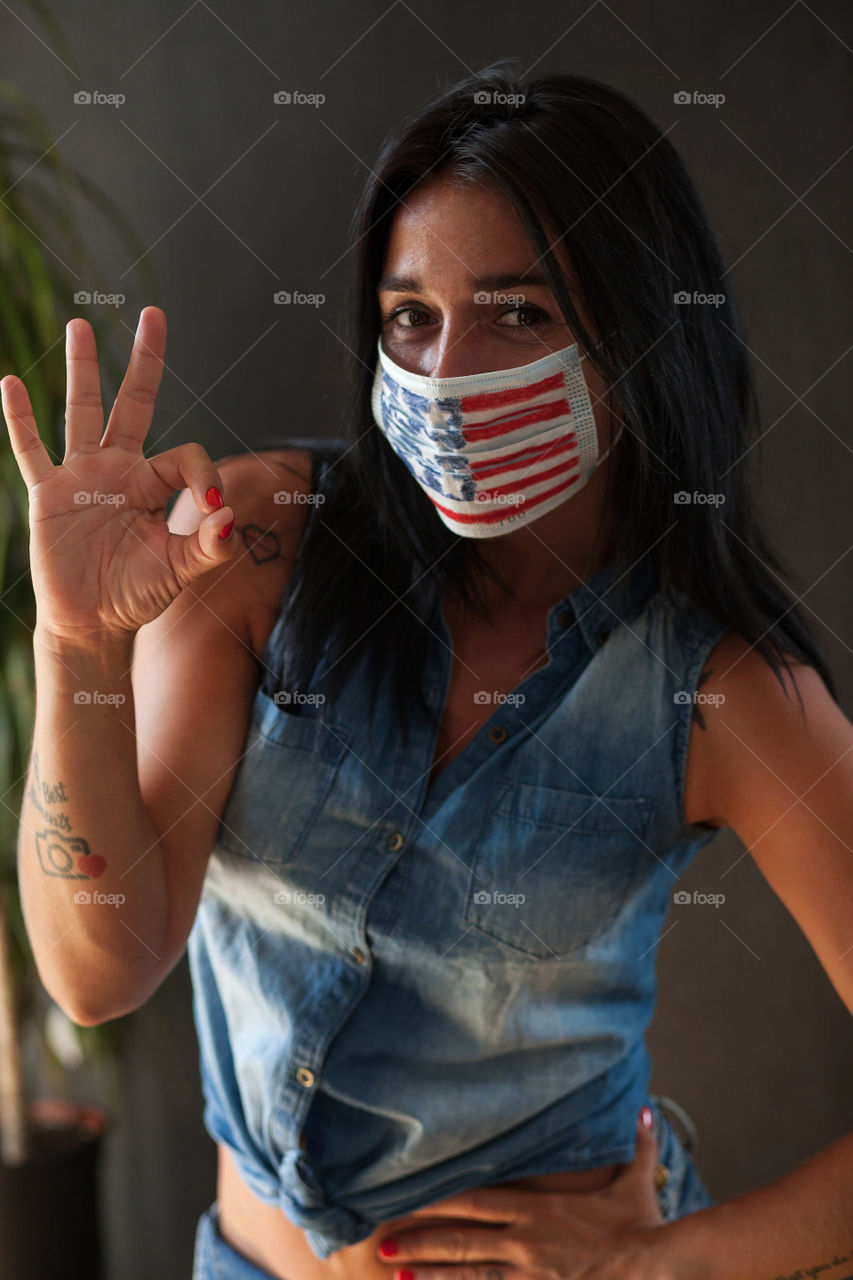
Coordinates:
507 280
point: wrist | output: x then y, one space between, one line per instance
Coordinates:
644 1254
86 645
671 1251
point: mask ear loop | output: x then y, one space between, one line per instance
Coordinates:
609 448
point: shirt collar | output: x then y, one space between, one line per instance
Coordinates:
599 604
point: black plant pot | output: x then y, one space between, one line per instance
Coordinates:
49 1219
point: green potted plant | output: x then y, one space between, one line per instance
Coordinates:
49 1145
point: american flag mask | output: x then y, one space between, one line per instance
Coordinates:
493 451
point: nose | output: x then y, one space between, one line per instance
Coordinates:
458 350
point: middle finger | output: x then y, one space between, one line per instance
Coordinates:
133 410
84 413
453 1244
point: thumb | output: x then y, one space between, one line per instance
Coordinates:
646 1155
194 554
641 1168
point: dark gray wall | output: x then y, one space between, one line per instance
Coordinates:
748 1034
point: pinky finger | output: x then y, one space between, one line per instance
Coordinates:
33 459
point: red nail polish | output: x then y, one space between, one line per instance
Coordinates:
404 1275
388 1248
226 529
214 497
647 1117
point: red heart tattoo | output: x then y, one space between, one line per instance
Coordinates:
92 865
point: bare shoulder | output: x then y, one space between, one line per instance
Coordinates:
740 709
267 491
270 488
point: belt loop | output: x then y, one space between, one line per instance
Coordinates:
691 1138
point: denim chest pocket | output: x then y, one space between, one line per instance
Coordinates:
553 868
283 779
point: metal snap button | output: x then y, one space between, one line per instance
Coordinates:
497 733
396 841
305 1076
359 954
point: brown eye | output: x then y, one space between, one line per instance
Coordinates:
400 311
536 312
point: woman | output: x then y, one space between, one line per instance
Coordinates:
415 784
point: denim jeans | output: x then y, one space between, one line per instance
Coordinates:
215 1259
682 1193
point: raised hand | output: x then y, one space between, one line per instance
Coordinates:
102 559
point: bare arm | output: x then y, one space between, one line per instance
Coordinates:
125 791
784 783
799 1226
90 867
195 676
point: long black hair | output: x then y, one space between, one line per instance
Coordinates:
376 561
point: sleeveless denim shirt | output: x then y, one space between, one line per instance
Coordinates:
404 991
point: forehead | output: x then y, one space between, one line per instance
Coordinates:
467 231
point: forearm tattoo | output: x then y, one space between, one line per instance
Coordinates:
821 1269
59 852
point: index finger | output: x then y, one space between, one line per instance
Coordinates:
134 405
488 1204
31 456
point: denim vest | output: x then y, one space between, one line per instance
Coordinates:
404 991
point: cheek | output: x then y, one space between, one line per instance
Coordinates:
597 391
604 406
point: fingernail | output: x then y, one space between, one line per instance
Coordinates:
404 1275
646 1117
214 497
226 529
388 1248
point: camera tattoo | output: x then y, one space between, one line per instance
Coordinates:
59 852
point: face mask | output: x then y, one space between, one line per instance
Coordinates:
492 451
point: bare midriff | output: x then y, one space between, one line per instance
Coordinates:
262 1232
